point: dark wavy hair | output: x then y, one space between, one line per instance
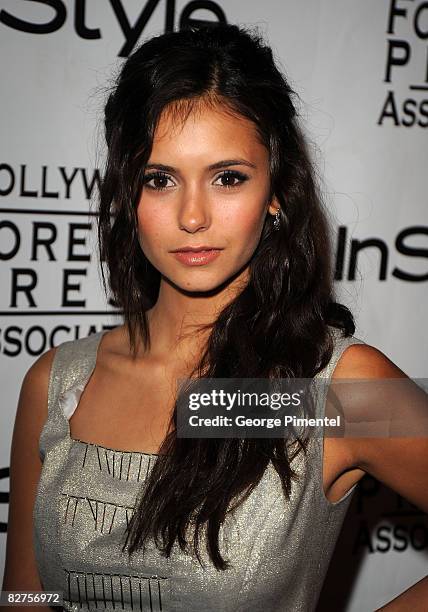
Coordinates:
277 327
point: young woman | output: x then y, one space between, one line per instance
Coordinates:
216 242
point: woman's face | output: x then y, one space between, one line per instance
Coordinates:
206 184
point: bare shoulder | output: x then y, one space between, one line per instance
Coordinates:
366 361
36 379
117 338
33 399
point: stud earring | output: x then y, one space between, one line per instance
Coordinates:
277 221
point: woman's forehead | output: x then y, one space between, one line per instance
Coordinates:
205 127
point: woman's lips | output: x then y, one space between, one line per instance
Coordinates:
197 258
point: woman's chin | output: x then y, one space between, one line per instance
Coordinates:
201 283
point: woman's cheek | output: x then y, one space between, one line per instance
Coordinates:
151 246
250 228
149 227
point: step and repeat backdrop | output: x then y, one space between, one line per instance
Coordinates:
361 71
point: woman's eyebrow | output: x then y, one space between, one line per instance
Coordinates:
220 164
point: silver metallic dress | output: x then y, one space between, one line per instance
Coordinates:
279 550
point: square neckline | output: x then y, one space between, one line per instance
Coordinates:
83 386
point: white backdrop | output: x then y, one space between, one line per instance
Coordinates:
361 69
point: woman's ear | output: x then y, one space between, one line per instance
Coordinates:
273 206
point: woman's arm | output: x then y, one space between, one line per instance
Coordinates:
25 467
401 463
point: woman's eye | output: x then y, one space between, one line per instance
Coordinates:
160 181
232 178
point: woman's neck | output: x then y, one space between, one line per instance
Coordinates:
178 320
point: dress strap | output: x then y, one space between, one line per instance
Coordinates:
72 365
340 344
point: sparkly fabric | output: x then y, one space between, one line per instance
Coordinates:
280 550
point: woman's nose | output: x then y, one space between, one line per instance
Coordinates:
193 212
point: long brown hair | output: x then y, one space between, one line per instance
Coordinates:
278 325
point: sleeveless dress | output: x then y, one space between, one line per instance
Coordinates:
279 550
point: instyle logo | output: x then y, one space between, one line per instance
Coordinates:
348 253
132 33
